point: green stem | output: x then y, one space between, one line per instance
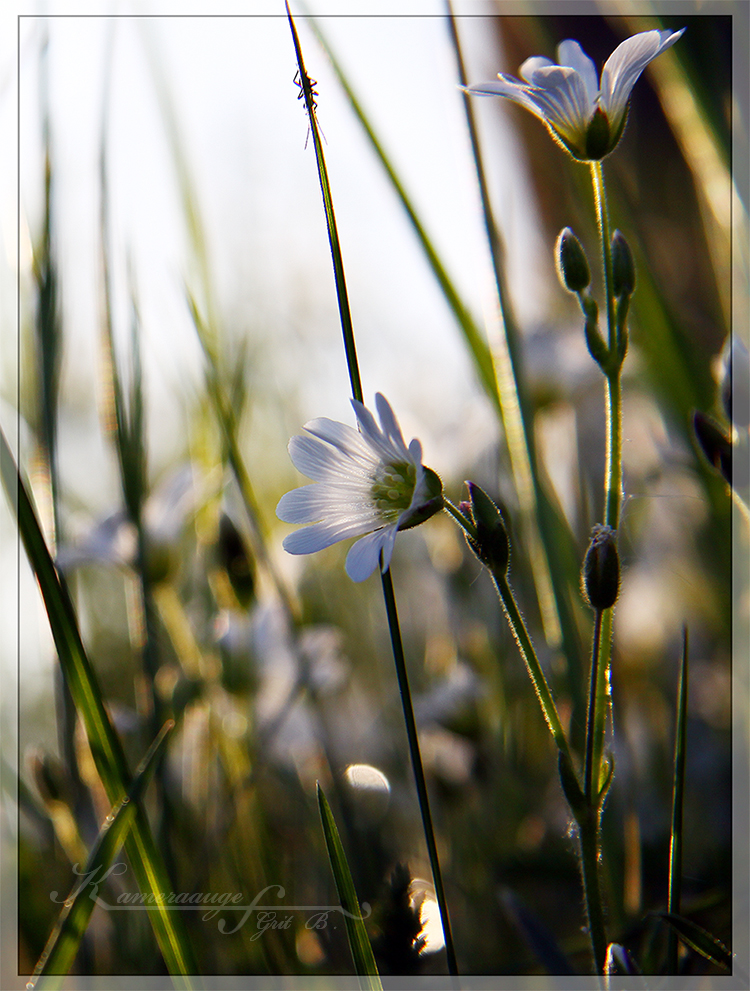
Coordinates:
678 792
591 774
590 817
522 638
538 679
589 835
601 651
613 467
602 219
416 763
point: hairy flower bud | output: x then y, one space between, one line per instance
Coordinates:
491 545
600 578
623 266
572 266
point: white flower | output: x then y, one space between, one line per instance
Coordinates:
586 116
367 481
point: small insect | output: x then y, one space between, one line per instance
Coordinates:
311 84
307 92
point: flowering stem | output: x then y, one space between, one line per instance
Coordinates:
589 824
613 470
416 763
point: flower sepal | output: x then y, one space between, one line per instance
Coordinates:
426 501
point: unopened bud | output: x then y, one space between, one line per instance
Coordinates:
600 578
623 266
572 266
491 545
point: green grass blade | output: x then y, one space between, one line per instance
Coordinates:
105 745
62 946
333 236
678 792
364 959
699 939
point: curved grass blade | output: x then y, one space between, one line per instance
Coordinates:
699 939
106 749
62 945
678 792
359 942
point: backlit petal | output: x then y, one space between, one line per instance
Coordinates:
570 53
626 63
364 556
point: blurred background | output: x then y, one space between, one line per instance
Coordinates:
171 238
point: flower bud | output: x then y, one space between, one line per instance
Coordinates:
572 266
491 545
600 578
623 267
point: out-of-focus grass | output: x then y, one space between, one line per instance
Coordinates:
267 701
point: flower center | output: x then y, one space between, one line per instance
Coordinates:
392 489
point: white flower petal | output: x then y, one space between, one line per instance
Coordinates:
390 424
310 539
531 65
624 66
323 463
341 436
311 503
364 556
562 102
570 53
508 87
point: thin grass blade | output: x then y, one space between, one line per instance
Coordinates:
678 793
62 946
699 939
333 236
359 942
105 745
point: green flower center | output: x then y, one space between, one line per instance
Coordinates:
392 489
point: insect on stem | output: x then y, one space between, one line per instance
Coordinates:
307 92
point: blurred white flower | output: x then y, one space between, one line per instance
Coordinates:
586 116
367 481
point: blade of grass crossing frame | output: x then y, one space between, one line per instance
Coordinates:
333 237
700 940
359 942
62 946
105 745
678 793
